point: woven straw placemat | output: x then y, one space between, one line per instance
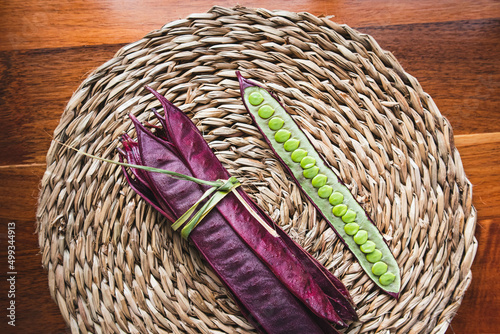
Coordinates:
114 265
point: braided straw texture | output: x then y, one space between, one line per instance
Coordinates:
114 265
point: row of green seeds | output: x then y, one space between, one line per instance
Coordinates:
318 180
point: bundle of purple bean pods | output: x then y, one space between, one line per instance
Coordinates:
276 284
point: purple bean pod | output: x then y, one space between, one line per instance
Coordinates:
268 276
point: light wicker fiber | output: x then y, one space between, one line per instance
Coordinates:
114 265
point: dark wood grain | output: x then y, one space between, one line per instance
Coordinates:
35 310
29 25
463 80
35 86
19 191
459 70
47 48
481 305
480 155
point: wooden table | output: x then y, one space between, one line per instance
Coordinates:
48 47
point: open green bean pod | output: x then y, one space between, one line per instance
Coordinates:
322 186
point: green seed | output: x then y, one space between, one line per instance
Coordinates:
351 228
374 256
387 278
255 98
291 144
282 135
349 216
379 268
336 198
325 191
276 123
307 162
319 180
310 172
298 155
266 111
323 186
367 247
339 210
361 237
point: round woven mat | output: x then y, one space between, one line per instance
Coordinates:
114 265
